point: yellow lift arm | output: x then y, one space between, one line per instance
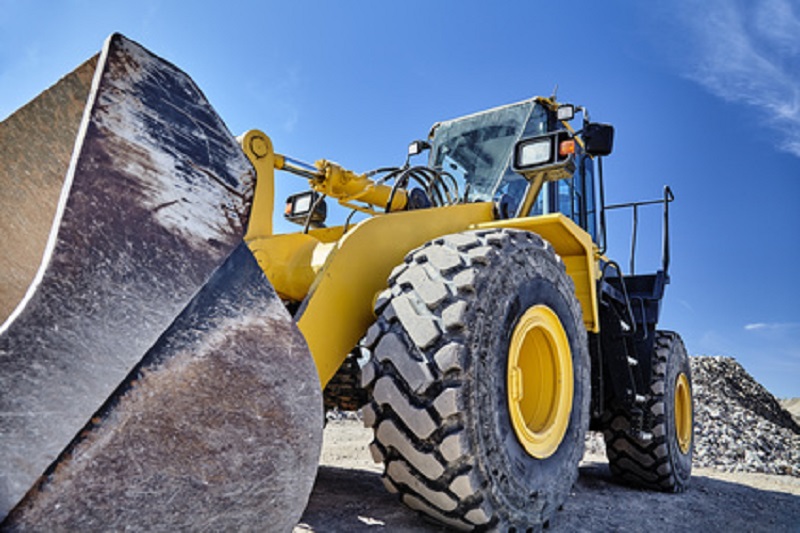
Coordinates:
337 275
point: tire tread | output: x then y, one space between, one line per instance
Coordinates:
646 463
416 390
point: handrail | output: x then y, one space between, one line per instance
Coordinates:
665 201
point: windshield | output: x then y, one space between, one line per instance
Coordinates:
476 150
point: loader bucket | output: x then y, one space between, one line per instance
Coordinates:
149 375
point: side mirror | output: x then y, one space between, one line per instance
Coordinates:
598 138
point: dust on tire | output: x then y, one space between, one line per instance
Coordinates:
437 380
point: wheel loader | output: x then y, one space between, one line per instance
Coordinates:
164 352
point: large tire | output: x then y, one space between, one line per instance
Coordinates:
438 379
664 460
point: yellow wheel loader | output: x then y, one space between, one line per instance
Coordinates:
164 352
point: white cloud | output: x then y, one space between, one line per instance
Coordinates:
748 52
772 326
779 338
780 25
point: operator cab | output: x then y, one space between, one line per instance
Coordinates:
478 151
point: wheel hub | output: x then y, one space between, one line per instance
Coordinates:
683 413
540 381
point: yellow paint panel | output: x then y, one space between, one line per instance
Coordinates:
577 250
292 261
342 275
287 260
339 308
257 146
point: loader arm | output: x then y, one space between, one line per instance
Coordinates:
337 275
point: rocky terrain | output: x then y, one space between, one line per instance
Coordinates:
746 475
739 425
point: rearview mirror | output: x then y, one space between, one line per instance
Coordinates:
598 138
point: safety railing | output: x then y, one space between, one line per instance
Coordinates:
665 201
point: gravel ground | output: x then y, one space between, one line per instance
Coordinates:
349 496
746 474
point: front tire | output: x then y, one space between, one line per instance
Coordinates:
474 328
663 462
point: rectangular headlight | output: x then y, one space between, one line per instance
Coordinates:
302 204
545 153
534 153
565 112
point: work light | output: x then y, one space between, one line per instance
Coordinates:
534 153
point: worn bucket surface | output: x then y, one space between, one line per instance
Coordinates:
35 149
214 430
107 234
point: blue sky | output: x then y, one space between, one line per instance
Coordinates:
704 95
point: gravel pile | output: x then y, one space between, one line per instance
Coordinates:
739 425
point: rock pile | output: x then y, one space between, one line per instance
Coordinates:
739 425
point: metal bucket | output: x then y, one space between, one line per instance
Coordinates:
147 368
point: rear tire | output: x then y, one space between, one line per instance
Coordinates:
439 381
665 461
344 391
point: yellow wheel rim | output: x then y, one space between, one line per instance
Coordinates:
683 413
539 381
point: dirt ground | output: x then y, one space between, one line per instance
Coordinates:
349 496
